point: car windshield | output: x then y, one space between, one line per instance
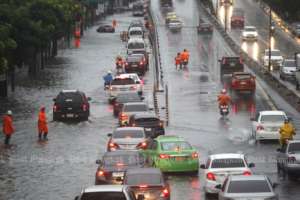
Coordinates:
238 13
123 81
103 196
228 163
294 147
136 45
69 97
134 58
128 134
136 32
143 179
289 63
129 98
123 159
273 53
148 119
242 76
250 29
175 146
248 186
272 118
135 108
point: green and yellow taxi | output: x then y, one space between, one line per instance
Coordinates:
172 154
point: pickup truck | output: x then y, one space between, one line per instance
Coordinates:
229 65
276 59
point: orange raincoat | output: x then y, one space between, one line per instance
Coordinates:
8 128
42 122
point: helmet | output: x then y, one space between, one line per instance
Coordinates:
184 50
9 112
43 108
223 91
109 72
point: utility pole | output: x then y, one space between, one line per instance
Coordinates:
217 8
270 39
226 10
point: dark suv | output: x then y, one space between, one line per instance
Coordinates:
71 104
136 63
229 65
152 124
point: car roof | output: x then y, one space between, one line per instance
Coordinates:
227 155
169 138
145 115
135 55
129 129
245 178
121 153
69 91
105 188
272 112
241 73
136 39
134 103
136 28
146 170
250 27
128 75
293 141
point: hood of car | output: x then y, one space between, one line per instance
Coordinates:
250 196
128 141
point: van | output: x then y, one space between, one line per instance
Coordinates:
136 45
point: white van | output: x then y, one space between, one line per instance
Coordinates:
136 45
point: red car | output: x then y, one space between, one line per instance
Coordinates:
238 18
243 81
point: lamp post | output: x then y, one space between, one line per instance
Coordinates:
217 7
226 16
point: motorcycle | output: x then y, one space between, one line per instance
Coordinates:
224 110
119 68
184 64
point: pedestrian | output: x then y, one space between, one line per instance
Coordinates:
42 124
114 23
8 128
178 61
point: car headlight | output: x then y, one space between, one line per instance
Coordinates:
255 34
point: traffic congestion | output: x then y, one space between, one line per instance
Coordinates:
102 135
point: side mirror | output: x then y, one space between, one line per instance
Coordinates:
202 166
274 185
99 162
76 198
290 119
89 98
109 135
140 197
251 165
219 186
54 99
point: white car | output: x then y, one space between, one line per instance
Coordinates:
266 125
138 82
136 45
120 85
249 33
219 166
175 24
276 58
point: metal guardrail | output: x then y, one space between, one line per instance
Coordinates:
289 95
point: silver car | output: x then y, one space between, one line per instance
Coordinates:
288 159
288 69
255 187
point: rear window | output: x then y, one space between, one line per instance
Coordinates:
289 63
134 58
175 146
142 120
248 186
143 179
128 134
136 32
227 163
123 81
294 147
238 13
103 196
250 29
121 159
136 45
69 97
135 108
125 99
272 118
242 76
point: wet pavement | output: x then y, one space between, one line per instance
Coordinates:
61 167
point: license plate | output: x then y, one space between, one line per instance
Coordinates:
243 83
70 115
224 110
232 64
134 65
179 158
118 174
148 129
123 89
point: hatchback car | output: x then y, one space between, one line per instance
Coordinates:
175 24
127 138
130 109
243 81
71 104
113 165
148 120
288 159
122 98
148 182
219 166
107 192
288 69
106 29
136 63
266 125
172 154
255 187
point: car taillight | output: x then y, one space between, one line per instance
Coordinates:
100 173
195 155
234 82
133 88
113 146
142 145
113 88
165 193
55 108
126 63
259 128
210 176
164 156
141 63
143 186
247 173
291 159
84 107
224 61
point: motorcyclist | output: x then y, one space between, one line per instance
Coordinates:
286 131
185 56
119 62
177 60
223 98
108 78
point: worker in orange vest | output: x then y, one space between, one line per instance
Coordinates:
42 124
8 128
114 23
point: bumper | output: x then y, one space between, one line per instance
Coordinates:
288 76
267 135
210 187
249 38
243 88
64 115
185 166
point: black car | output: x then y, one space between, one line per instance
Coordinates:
113 165
147 182
122 98
152 124
71 104
106 29
136 63
229 65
